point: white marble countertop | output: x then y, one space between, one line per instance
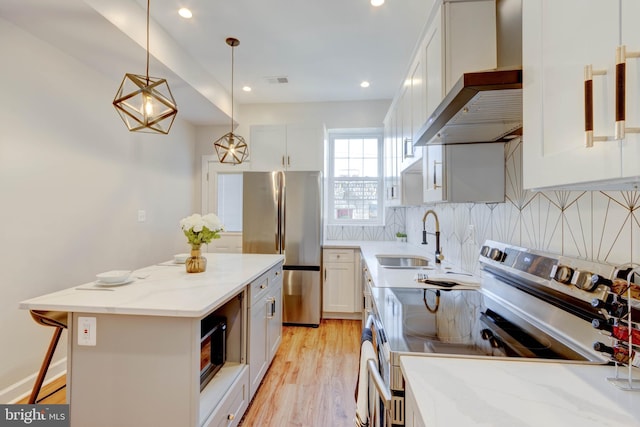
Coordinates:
166 289
392 277
496 393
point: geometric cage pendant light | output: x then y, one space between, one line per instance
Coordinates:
231 148
145 104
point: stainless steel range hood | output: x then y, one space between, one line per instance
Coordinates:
484 106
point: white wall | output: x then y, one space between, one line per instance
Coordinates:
72 179
347 114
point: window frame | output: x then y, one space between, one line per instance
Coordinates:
334 134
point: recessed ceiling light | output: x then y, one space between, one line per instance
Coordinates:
377 3
364 84
185 13
246 88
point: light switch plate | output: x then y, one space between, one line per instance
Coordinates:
87 331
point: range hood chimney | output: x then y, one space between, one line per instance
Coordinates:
484 106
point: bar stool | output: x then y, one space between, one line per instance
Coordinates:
58 320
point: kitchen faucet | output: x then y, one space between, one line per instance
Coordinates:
439 256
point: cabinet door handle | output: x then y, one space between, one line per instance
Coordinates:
282 160
435 181
325 274
231 417
621 91
589 72
288 161
272 307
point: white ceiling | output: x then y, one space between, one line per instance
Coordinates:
325 48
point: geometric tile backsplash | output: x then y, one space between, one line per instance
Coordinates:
596 225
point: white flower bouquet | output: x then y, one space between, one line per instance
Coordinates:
201 229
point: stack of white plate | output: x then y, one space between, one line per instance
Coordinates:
114 278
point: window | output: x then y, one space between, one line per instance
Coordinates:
354 189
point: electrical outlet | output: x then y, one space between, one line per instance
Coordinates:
142 215
87 331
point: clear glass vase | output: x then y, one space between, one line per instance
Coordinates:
196 263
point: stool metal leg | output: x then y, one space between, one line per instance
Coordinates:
45 365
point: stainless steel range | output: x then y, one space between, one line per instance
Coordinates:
531 304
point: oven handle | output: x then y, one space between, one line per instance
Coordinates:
369 321
383 392
506 338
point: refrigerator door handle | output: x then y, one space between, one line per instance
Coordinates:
279 206
283 221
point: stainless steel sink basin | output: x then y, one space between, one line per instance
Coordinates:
402 261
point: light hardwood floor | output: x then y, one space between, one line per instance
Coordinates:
311 382
312 379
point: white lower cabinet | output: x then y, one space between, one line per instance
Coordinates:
265 324
341 291
230 411
274 318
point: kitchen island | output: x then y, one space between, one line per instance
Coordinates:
446 391
144 368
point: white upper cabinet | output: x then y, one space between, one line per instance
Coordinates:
563 43
286 147
464 173
459 37
631 40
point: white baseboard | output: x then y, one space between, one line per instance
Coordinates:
22 388
346 316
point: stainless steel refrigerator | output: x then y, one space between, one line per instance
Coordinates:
282 214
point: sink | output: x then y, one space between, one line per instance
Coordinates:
402 261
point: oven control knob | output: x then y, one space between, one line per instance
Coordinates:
495 342
563 274
496 255
484 251
596 280
486 334
582 280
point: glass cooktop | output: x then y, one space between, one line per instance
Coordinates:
459 322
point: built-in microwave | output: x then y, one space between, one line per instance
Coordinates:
213 354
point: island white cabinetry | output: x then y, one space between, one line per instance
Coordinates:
559 76
145 366
265 312
341 289
294 147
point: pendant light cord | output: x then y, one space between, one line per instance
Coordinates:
232 64
148 7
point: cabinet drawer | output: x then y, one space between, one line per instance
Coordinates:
232 408
258 289
275 274
338 255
